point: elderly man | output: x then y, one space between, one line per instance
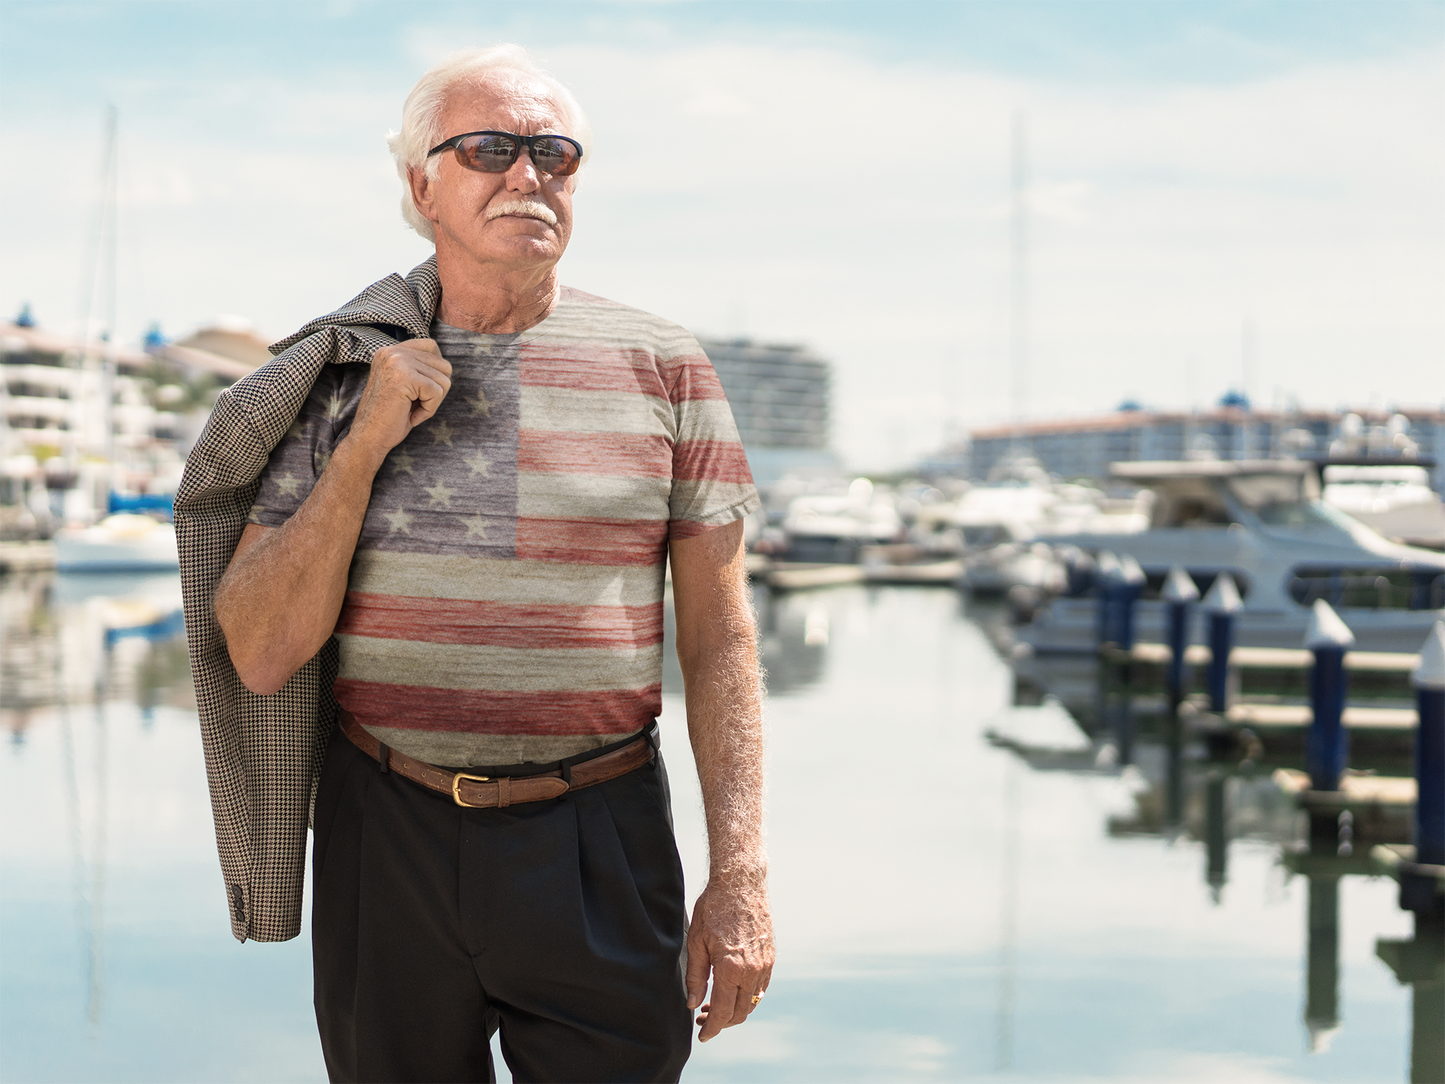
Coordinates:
459 493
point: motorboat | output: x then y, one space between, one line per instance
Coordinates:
123 542
1001 524
1394 499
1264 522
834 528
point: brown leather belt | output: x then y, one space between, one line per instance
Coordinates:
487 792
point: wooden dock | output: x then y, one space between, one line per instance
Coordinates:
1299 715
26 556
1356 791
1267 658
789 576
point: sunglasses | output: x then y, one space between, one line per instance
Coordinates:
494 152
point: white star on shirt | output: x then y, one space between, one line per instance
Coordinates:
479 463
476 527
400 520
287 484
441 432
334 407
441 494
481 404
402 461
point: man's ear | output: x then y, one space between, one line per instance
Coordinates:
421 192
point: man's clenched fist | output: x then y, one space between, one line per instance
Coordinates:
407 384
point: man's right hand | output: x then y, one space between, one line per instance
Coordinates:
281 594
407 383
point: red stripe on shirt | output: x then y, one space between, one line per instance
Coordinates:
482 711
617 455
592 541
499 624
711 461
591 368
691 376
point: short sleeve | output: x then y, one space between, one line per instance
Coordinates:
297 462
712 485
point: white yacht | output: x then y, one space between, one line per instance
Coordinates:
124 542
834 528
1262 521
1395 499
1000 525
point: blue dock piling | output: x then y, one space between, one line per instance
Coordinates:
1079 568
1327 745
1106 576
1179 595
1126 594
1222 604
1429 682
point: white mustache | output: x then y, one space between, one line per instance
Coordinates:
529 208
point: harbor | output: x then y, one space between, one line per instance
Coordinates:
1027 897
1159 800
1097 554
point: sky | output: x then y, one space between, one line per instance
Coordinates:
1195 169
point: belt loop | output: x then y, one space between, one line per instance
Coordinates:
566 778
504 792
654 739
385 758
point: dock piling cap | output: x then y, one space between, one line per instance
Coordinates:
1179 586
1106 566
1223 596
1130 572
1326 628
1430 674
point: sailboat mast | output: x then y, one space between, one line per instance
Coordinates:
98 287
108 268
1019 283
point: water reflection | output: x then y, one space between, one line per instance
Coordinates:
947 906
1218 789
793 633
86 639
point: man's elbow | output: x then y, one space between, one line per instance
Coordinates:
260 675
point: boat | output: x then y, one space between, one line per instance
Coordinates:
1264 522
1394 499
1001 523
123 542
833 528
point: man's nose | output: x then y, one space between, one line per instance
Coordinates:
522 175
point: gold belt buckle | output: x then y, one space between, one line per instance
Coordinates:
457 788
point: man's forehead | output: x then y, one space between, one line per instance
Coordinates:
499 97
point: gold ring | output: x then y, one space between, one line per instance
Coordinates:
757 998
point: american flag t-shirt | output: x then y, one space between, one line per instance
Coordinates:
505 600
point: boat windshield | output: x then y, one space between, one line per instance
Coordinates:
1298 514
1284 500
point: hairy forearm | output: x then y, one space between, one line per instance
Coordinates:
718 654
280 598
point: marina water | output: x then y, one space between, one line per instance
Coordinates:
945 908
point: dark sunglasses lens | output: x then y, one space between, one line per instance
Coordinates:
555 156
488 153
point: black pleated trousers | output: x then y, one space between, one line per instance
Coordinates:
561 922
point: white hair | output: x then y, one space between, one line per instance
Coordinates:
421 116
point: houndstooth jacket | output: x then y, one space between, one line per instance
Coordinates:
263 753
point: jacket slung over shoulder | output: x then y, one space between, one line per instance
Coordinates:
263 753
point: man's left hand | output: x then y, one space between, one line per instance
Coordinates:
732 936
